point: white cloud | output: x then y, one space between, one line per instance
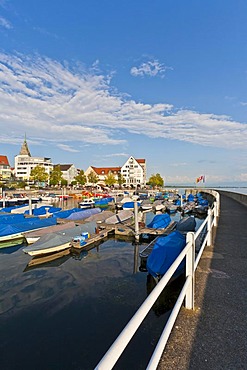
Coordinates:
58 103
5 23
117 155
150 68
67 148
44 32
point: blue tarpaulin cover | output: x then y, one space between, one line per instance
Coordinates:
11 218
130 205
160 221
103 201
66 213
83 214
165 251
42 210
9 209
27 225
191 198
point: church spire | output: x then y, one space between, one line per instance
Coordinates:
24 148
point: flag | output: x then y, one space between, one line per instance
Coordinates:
200 178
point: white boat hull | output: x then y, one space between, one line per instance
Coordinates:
57 248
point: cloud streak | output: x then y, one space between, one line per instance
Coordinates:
68 103
151 68
5 23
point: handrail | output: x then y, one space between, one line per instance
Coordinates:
187 294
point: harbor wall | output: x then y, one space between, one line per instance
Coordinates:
241 198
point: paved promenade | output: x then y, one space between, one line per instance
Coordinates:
214 335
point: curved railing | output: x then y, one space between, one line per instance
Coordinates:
186 295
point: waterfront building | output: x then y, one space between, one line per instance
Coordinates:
133 171
24 163
102 172
69 172
5 170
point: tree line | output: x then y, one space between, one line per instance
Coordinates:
38 175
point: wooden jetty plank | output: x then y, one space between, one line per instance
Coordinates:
168 229
94 238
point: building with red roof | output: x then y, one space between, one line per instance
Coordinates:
5 170
133 172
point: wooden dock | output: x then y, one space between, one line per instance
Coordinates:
121 230
94 239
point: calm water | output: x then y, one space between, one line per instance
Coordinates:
235 190
65 314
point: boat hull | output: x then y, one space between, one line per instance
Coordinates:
11 240
44 251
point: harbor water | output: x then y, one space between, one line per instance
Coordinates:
64 313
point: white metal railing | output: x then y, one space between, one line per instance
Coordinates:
186 295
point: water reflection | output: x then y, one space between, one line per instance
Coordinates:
168 297
64 311
51 260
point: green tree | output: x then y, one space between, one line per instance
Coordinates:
81 178
64 182
56 176
120 180
38 174
92 178
156 180
21 184
110 179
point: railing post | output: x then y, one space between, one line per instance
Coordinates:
136 221
190 260
209 227
215 222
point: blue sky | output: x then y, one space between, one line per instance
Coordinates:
92 82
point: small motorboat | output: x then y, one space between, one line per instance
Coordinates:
54 242
160 221
121 216
165 250
186 224
87 203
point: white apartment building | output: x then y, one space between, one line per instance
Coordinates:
24 163
69 172
134 172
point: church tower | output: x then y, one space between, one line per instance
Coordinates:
24 149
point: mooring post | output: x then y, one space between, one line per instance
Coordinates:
30 205
190 271
209 227
136 221
4 199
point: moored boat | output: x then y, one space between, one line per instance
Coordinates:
87 203
160 221
130 205
33 236
121 216
165 250
13 233
54 242
186 224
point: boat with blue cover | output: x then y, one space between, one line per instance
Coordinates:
165 250
160 221
187 223
12 233
130 205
